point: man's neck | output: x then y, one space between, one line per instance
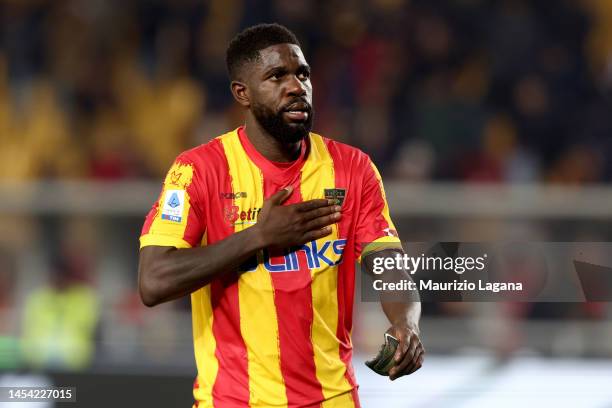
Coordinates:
268 146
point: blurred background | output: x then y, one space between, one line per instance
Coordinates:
491 121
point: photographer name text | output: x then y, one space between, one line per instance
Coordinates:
454 286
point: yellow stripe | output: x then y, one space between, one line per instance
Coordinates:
163 240
379 245
204 343
317 175
165 232
341 401
258 321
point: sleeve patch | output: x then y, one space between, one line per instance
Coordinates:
174 204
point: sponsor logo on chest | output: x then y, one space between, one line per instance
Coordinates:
235 216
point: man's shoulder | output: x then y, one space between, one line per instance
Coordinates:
210 153
343 151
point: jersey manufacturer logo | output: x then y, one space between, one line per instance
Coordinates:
335 194
233 196
174 202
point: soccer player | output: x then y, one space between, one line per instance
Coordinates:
262 227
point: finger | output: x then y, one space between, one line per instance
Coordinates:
281 195
407 360
413 352
313 204
400 352
415 357
321 222
316 234
320 212
418 364
402 347
409 365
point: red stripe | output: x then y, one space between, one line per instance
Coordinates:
346 270
355 398
196 223
231 386
232 383
293 300
196 385
373 222
151 216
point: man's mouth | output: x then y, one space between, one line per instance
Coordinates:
296 115
297 112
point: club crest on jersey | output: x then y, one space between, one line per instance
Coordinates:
175 178
335 194
174 202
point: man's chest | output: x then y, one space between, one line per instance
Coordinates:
235 202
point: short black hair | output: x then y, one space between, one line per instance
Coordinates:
246 45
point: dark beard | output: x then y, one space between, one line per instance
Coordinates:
274 123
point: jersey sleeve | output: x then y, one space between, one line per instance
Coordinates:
374 230
177 218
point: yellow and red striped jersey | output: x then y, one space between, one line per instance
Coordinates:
278 333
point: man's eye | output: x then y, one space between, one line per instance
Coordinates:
304 76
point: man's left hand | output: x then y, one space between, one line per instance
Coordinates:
410 352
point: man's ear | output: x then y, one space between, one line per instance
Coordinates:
239 90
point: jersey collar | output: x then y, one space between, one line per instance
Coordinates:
268 167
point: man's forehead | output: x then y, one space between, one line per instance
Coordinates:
280 54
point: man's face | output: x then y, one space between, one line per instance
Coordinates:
281 93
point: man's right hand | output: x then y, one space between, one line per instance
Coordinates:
282 226
167 273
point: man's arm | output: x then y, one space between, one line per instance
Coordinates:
404 315
166 273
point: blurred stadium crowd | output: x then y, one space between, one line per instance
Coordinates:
475 90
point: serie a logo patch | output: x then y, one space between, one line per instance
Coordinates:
174 202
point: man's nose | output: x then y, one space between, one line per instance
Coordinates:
296 87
